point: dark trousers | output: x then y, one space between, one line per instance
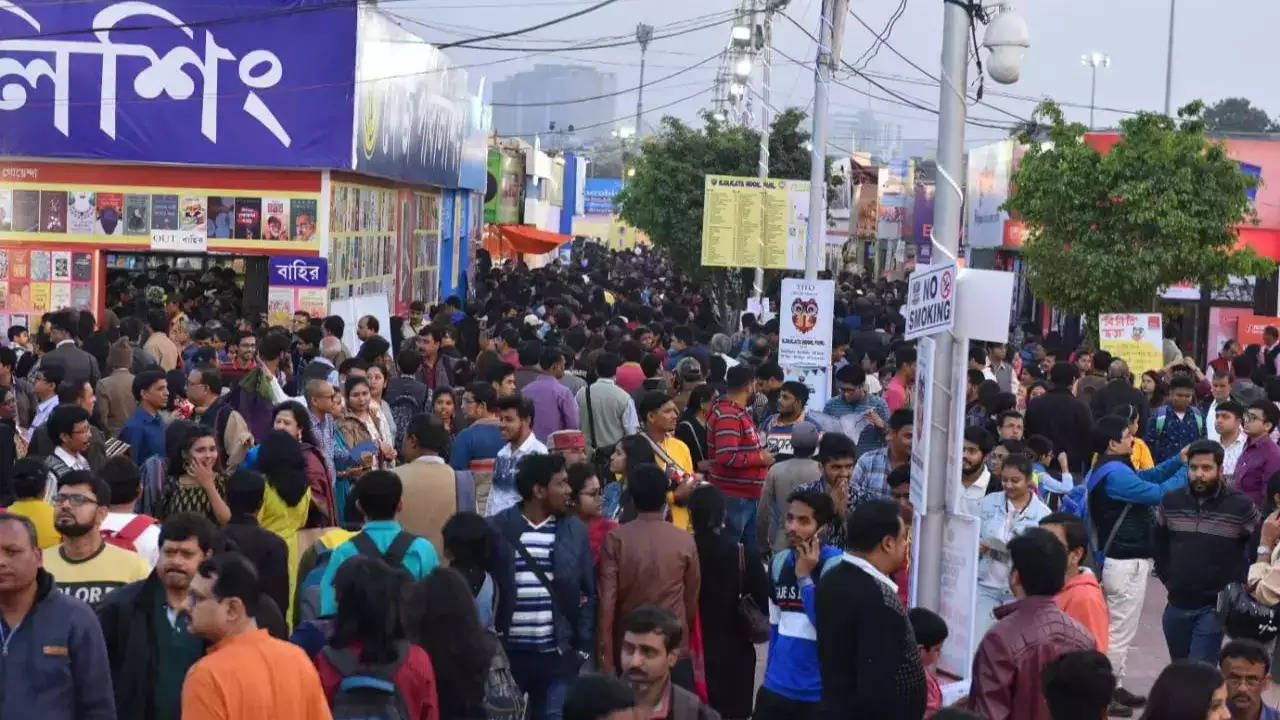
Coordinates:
542 676
772 706
1193 634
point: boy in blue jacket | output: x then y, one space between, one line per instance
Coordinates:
792 680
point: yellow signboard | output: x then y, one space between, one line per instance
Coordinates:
1136 338
753 222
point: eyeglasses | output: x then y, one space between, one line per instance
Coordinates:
73 499
1251 680
592 493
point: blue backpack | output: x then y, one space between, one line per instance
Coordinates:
1077 503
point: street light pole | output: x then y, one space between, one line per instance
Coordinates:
1168 63
1093 61
828 57
762 167
644 33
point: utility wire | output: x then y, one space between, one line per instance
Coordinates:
870 53
608 122
612 94
601 46
466 31
531 28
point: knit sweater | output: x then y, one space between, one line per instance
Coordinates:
868 654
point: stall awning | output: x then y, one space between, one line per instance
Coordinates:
531 240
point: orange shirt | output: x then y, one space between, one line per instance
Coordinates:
1081 599
252 676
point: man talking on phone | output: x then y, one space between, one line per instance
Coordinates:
792 681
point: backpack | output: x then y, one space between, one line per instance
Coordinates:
1077 502
126 536
393 557
403 409
367 692
1163 412
503 697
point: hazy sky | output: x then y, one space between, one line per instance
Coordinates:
1220 51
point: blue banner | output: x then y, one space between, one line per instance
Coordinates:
241 82
599 194
298 271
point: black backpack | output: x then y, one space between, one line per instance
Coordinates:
367 692
393 557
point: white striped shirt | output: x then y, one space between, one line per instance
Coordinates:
532 622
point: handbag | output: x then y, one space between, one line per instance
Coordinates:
1241 616
753 620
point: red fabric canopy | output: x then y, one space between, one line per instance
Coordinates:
531 240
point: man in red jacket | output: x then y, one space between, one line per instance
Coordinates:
738 462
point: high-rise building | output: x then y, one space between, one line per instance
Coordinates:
550 84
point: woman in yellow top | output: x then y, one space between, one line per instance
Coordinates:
30 478
1141 458
658 415
287 499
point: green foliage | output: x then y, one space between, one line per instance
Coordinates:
664 197
1237 115
1106 232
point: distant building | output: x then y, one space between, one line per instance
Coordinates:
551 84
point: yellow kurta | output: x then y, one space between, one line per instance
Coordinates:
285 521
680 453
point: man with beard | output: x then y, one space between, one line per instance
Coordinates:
650 649
54 654
515 420
145 627
1246 668
792 682
85 566
974 476
1201 537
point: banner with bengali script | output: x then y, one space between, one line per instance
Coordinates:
1136 338
254 83
296 283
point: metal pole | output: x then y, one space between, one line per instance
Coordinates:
1093 92
946 236
817 226
1168 64
762 169
644 33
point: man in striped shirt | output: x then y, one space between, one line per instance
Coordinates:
738 462
546 608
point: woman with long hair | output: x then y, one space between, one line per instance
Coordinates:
1003 515
368 631
469 548
363 441
586 500
378 379
191 484
294 419
1188 690
630 452
729 571
443 406
1154 387
442 619
692 428
287 500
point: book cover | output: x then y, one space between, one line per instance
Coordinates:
6 210
40 292
275 224
136 215
82 267
60 296
19 264
222 216
164 212
110 214
26 210
82 213
40 265
81 295
20 296
302 219
61 263
195 217
4 264
248 218
53 211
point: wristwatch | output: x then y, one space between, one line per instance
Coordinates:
1264 550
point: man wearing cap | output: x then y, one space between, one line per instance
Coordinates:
568 444
782 480
688 376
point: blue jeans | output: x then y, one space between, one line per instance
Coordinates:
541 675
1193 634
740 521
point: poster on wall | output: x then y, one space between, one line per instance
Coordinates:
1136 338
110 214
221 216
53 211
248 218
807 307
82 213
164 212
295 283
26 211
6 210
275 219
302 219
988 188
136 215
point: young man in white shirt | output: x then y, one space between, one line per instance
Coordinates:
1227 420
123 527
68 427
515 419
975 477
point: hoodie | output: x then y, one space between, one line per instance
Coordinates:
1081 599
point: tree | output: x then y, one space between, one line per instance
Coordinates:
1106 232
1237 115
664 197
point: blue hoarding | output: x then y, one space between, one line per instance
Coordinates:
599 194
240 82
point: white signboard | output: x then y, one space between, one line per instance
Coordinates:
959 590
182 241
931 301
976 319
922 425
814 378
807 311
956 424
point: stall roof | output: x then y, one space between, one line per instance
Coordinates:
531 240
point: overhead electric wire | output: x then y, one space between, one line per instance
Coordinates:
531 28
628 116
601 46
465 30
627 91
870 53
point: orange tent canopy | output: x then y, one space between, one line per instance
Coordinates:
531 240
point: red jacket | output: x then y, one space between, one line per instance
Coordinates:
737 466
416 680
1028 635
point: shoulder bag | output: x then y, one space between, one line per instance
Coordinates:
753 620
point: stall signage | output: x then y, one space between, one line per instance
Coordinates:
179 241
299 271
931 301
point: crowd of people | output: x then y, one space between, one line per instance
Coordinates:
578 496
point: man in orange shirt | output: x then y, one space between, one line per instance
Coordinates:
246 674
1081 596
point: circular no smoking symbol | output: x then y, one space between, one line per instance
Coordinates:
946 286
